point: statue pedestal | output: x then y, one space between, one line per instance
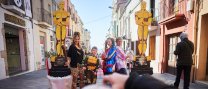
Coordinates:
141 66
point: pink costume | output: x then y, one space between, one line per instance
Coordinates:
120 58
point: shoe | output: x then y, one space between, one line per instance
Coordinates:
172 86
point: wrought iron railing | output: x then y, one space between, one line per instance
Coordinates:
171 7
44 16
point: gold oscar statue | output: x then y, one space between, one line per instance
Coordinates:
61 21
143 20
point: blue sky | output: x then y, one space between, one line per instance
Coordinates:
96 17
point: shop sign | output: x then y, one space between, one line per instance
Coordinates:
28 8
13 19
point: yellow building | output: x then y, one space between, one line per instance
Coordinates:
75 25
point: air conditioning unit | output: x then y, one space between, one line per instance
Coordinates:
190 5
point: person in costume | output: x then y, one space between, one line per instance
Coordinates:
109 56
76 54
120 57
91 64
130 58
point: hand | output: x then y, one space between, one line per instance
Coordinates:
116 80
84 68
67 63
95 73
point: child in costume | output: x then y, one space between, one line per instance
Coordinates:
91 64
120 57
109 56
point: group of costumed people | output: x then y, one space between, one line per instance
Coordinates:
84 67
114 58
113 63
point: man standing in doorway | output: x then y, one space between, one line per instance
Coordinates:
184 51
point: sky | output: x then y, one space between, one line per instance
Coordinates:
96 17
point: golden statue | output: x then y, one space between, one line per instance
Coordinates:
143 20
61 21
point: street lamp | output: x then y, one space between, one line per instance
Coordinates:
110 7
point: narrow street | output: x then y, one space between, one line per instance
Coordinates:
38 80
83 42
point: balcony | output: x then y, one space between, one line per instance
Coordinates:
44 18
172 10
154 25
13 6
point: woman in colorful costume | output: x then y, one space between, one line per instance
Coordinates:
109 56
91 64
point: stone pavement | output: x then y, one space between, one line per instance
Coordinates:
169 79
33 80
38 80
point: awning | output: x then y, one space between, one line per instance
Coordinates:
172 18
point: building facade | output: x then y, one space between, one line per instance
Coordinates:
201 41
44 33
75 25
16 38
175 17
124 25
86 41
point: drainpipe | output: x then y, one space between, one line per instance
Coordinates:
196 11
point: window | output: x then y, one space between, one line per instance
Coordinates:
173 40
173 6
152 7
51 37
54 6
69 9
49 7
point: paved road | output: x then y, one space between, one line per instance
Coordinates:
169 79
38 80
33 80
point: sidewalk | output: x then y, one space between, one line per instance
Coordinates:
169 79
38 80
33 80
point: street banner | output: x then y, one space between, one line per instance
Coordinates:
28 8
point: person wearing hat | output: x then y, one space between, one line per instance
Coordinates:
184 51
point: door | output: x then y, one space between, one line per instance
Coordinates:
13 51
42 50
173 40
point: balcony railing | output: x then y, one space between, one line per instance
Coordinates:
44 16
171 7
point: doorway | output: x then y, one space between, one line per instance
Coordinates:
13 50
173 40
42 50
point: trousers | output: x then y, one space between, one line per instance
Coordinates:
187 71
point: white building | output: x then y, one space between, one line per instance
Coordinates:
16 38
124 25
86 40
44 33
